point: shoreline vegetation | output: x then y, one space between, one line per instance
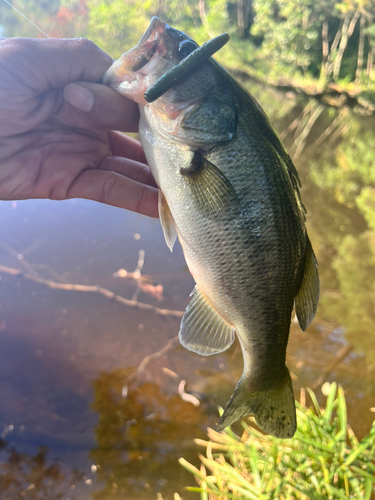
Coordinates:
332 94
323 460
321 49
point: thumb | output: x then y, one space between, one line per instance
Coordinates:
102 106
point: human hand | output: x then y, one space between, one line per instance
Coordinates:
57 136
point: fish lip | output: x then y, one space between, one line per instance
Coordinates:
153 26
127 69
121 75
137 65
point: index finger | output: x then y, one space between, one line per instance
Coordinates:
42 64
123 145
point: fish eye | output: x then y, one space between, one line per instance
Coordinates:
185 48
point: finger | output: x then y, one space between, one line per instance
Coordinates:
123 145
133 169
117 190
42 64
102 106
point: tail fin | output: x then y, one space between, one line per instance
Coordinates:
273 407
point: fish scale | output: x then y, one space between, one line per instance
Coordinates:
229 192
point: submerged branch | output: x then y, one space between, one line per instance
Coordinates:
156 355
19 257
90 289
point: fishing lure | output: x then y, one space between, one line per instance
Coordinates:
177 73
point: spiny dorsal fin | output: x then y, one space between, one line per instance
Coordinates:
202 329
307 298
167 222
210 189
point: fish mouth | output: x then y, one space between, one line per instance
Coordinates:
133 72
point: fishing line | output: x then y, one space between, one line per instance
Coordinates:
158 56
27 19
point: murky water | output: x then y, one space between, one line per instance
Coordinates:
68 358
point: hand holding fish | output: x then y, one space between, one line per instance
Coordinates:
57 137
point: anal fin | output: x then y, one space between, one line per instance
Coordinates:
202 329
167 222
307 298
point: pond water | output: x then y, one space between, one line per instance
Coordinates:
68 358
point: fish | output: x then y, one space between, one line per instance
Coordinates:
229 192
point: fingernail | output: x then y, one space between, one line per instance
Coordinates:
79 97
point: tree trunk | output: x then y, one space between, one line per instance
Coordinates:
347 31
336 40
245 17
370 59
325 49
202 12
361 47
240 18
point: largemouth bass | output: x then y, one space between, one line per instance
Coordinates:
229 192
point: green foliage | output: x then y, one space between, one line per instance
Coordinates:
323 460
351 168
111 23
277 40
344 208
290 31
354 266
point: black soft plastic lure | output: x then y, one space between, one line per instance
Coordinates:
177 73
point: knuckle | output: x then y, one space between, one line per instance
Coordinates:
108 187
107 161
89 46
141 200
143 173
85 43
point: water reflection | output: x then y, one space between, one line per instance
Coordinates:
140 435
67 357
33 477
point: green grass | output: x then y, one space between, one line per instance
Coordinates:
324 460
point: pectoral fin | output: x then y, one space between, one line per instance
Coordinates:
306 300
202 329
210 189
167 222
